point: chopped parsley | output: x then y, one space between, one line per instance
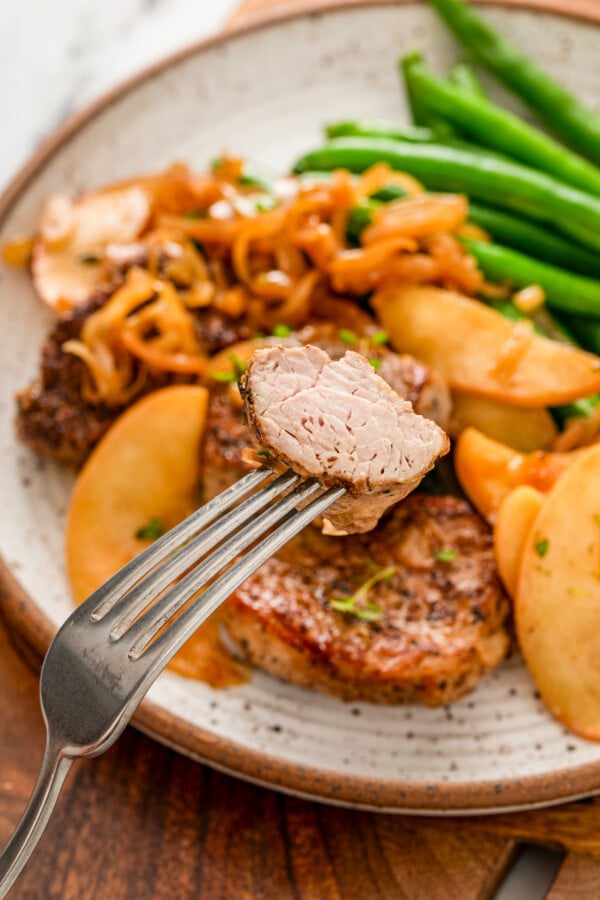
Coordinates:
348 336
89 259
358 604
239 365
225 377
264 202
281 330
375 362
263 454
379 338
151 531
541 547
446 555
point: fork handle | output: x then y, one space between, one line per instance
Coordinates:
53 772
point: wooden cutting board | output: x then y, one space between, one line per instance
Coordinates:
143 821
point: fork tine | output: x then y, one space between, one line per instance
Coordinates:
114 589
156 581
149 624
168 643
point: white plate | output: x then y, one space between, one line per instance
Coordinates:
265 93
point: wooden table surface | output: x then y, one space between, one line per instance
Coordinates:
145 822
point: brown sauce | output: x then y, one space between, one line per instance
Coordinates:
205 658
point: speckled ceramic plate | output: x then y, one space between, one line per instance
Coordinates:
265 92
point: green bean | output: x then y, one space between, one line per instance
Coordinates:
380 128
534 240
463 76
420 114
494 127
574 294
587 332
486 177
359 218
389 192
562 112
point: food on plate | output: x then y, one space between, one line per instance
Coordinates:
577 124
65 267
141 480
338 421
488 470
227 434
410 612
480 351
514 521
491 126
522 429
452 265
557 609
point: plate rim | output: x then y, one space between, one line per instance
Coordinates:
24 616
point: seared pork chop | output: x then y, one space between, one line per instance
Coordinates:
338 421
432 623
53 416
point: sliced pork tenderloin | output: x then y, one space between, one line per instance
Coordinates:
338 421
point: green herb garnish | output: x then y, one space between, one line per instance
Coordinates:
358 604
375 362
225 377
239 365
151 531
380 337
263 454
541 547
264 202
89 259
348 336
281 330
446 555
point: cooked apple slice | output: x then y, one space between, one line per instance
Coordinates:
481 352
140 479
66 264
516 516
522 429
557 609
488 470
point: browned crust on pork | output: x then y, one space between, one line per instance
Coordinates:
443 624
53 417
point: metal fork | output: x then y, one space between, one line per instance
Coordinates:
113 647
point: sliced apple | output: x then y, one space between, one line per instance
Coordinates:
66 264
488 470
516 516
557 609
481 352
522 429
142 475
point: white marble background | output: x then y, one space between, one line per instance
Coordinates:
57 55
